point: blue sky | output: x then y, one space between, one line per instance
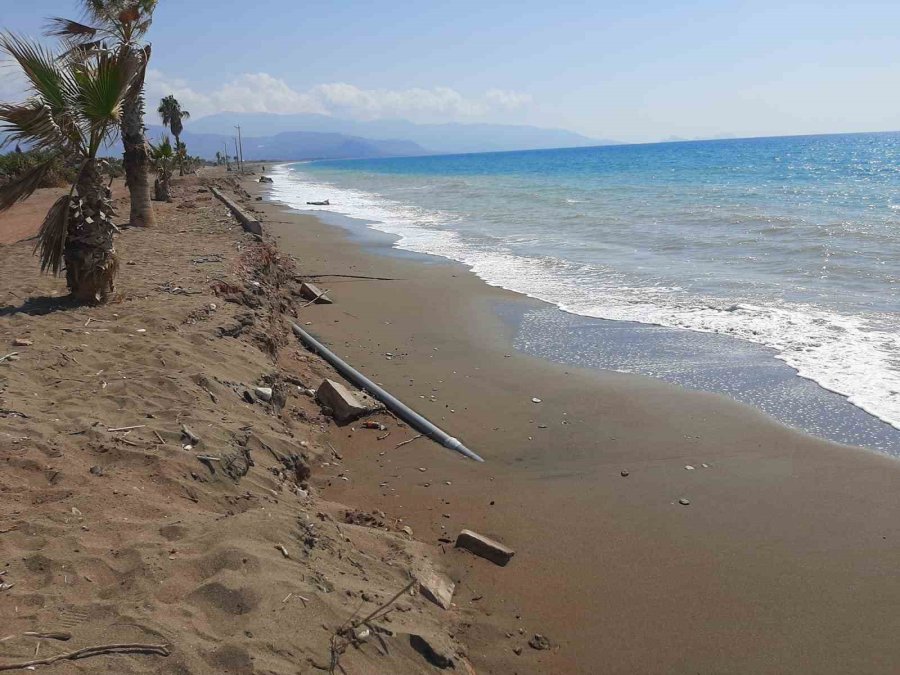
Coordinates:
636 71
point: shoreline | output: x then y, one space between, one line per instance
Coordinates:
607 564
743 370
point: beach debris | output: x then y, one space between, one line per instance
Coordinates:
437 654
263 393
536 400
624 473
265 179
371 424
313 293
517 651
485 547
97 470
283 550
12 356
247 396
361 633
22 342
688 467
343 403
684 501
414 438
61 636
324 202
134 426
88 652
407 529
188 435
539 642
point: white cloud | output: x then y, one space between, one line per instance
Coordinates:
260 92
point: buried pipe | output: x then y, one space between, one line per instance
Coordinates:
396 406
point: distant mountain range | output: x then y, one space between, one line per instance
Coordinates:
266 131
292 145
310 136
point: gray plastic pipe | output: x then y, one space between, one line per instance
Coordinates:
396 406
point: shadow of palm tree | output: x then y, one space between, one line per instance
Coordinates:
44 304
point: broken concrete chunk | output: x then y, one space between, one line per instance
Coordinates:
311 292
484 547
436 587
344 404
263 393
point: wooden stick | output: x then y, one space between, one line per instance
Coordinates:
88 652
49 636
3 358
414 438
136 426
159 437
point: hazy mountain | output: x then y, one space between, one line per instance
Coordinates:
439 138
292 145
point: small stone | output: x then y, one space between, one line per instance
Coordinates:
22 342
688 467
248 397
97 470
535 400
624 474
263 393
422 468
517 651
539 642
684 502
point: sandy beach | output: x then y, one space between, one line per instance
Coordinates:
252 551
782 561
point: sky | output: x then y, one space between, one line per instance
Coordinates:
638 71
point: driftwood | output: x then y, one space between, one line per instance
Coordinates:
414 438
136 426
345 276
88 652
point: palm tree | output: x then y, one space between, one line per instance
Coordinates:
122 25
162 157
172 116
75 108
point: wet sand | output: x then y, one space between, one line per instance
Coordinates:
784 560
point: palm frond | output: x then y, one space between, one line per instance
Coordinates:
71 30
185 115
24 185
101 89
30 122
51 239
45 73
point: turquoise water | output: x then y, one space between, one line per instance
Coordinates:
789 243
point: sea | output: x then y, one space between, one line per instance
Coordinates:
767 269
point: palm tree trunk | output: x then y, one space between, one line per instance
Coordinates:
178 153
136 162
91 262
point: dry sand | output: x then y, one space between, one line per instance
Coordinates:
784 561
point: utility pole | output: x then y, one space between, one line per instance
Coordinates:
227 163
237 159
240 148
